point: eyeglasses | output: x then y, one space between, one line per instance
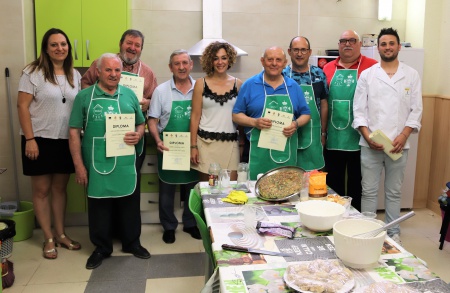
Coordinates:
351 41
302 50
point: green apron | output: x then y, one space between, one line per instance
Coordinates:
108 176
262 160
140 144
310 150
341 135
179 119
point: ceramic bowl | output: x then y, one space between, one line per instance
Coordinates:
356 252
319 215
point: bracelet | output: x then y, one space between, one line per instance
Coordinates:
28 139
323 133
194 147
404 135
296 122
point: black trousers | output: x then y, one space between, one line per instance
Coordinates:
337 164
109 214
167 204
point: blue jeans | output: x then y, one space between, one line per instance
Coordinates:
166 205
372 163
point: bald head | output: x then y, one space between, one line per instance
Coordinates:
273 60
274 50
349 46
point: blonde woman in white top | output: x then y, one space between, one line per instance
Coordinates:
47 89
214 137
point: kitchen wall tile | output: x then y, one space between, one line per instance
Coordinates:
141 5
180 5
169 26
242 28
279 7
248 6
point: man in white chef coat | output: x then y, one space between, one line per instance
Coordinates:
388 97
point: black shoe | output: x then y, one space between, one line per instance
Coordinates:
195 233
169 236
139 252
95 260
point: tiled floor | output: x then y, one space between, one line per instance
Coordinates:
420 235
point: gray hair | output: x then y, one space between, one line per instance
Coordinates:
179 52
108 56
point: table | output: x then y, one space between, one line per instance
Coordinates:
245 272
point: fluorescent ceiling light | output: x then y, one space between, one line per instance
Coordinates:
385 10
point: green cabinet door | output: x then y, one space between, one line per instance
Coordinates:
103 23
65 15
94 27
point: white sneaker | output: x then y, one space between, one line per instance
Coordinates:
396 238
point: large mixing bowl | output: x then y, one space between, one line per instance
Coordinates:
319 215
358 252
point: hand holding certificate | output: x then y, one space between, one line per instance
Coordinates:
379 137
117 125
178 156
273 137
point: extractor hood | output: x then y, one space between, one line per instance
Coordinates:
212 28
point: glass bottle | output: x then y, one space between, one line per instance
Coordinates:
242 173
214 169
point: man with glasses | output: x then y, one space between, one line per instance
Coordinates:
342 156
312 80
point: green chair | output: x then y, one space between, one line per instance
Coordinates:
196 207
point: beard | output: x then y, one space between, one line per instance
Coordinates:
389 59
129 61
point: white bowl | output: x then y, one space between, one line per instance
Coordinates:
358 252
319 215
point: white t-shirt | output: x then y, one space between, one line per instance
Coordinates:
49 115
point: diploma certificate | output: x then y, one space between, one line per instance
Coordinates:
273 137
116 127
134 83
178 157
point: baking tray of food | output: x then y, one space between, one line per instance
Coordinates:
279 184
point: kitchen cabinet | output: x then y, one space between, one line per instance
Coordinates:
94 27
150 187
76 197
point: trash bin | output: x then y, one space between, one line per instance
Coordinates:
24 220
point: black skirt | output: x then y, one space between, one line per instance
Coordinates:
54 158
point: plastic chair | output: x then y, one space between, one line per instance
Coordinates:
196 207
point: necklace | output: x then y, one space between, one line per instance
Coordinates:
60 89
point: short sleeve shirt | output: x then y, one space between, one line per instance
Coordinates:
49 114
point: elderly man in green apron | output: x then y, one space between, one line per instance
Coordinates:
270 90
342 156
312 80
170 111
131 45
110 181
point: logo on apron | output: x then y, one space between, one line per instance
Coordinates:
97 113
308 97
285 107
339 80
349 80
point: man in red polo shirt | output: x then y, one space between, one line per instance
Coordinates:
342 154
